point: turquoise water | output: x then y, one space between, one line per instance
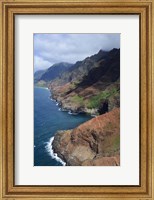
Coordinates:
47 120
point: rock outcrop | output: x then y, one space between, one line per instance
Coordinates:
95 142
88 86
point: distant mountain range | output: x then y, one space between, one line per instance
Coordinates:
51 73
38 75
89 86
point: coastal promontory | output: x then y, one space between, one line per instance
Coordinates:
95 142
88 87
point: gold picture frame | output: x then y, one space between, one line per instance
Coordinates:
145 10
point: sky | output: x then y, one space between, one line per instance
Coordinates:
54 48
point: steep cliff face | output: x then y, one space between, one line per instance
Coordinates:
52 72
80 70
95 142
91 85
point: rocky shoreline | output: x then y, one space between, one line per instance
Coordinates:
73 110
93 143
90 86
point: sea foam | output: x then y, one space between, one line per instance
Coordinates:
53 155
52 99
72 113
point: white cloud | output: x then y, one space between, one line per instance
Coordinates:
54 48
40 63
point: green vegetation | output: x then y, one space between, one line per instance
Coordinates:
116 144
95 101
74 84
78 99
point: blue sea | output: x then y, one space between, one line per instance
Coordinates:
47 120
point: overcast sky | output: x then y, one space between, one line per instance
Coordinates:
53 48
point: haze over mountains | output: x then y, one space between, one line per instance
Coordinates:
52 72
89 86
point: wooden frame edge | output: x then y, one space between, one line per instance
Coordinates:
1 107
8 190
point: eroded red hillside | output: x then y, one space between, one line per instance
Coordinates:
95 142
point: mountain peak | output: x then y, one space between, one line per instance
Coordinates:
55 70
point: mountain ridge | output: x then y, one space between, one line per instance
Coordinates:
53 71
90 86
78 89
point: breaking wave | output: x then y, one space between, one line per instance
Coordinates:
51 153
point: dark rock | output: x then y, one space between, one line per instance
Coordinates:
54 71
86 79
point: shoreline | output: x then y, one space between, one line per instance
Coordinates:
48 145
53 149
93 148
70 111
46 88
49 149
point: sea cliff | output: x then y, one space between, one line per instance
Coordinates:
89 86
95 142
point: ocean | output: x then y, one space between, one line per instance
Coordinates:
48 118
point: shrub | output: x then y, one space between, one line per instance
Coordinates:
77 99
95 101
